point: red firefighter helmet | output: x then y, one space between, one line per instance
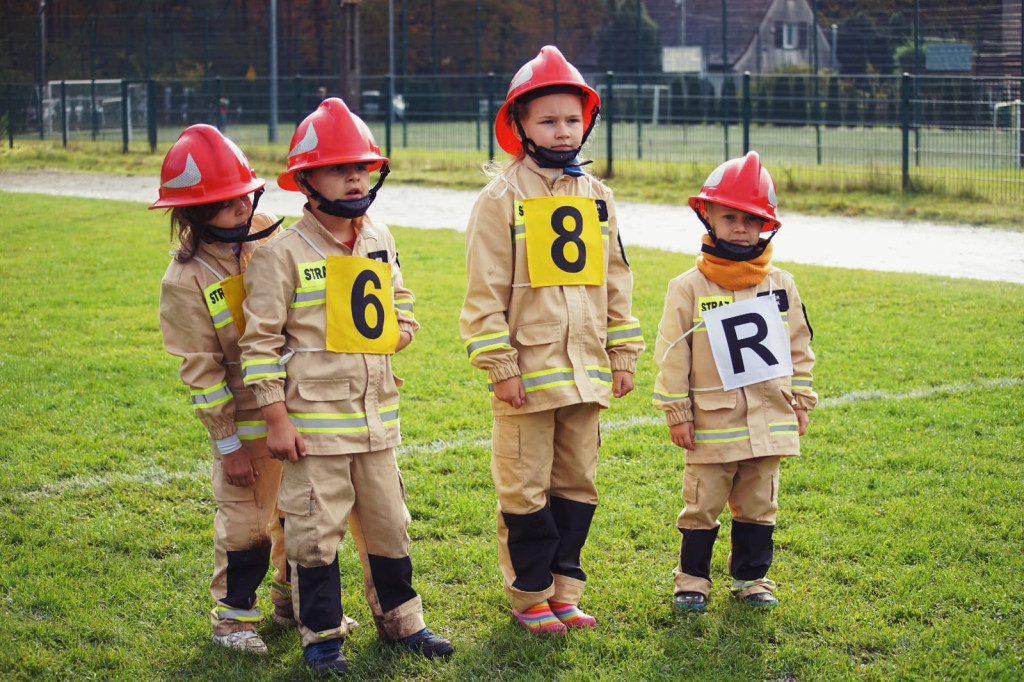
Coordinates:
330 135
743 184
548 68
202 167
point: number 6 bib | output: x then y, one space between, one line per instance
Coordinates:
360 306
563 241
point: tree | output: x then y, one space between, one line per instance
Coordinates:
617 36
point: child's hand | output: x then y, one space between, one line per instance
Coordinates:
404 339
283 440
802 420
511 391
238 469
682 434
622 382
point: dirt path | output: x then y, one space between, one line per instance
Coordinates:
894 246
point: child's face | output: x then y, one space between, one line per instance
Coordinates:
345 181
732 224
555 121
233 213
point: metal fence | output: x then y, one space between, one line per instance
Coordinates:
960 136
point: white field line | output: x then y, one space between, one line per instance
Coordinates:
201 470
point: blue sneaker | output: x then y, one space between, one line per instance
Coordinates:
325 657
428 644
690 601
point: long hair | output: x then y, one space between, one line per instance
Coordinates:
182 219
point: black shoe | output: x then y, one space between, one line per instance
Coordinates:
428 644
325 657
761 600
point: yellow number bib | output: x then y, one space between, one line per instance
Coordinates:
224 300
360 306
563 241
234 296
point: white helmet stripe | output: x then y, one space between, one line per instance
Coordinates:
308 142
190 177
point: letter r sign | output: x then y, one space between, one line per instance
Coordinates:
749 342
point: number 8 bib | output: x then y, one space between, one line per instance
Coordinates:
563 241
360 306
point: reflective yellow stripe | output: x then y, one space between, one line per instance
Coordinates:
665 398
205 398
624 334
242 615
253 430
484 342
709 436
261 369
335 422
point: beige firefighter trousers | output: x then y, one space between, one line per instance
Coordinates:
247 519
537 456
750 487
320 494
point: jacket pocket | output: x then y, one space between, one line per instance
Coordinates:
323 390
295 497
710 402
539 334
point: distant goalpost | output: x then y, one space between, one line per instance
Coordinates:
94 108
1013 133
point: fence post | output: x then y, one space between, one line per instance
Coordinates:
747 109
10 118
298 100
609 107
64 113
221 125
125 113
388 105
905 115
490 113
151 112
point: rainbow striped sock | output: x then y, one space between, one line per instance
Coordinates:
571 616
539 618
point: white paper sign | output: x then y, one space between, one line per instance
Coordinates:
749 342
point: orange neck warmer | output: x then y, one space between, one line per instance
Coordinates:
734 275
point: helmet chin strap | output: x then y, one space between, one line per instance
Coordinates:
233 235
550 158
343 208
730 251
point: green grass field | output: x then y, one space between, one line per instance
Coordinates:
900 544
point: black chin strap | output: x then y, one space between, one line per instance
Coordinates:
549 158
232 235
730 251
344 208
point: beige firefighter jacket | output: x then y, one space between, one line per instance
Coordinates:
753 421
341 403
564 341
198 328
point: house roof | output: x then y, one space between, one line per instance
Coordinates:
704 26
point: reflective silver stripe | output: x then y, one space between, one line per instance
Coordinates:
246 615
721 435
212 396
783 427
487 342
405 304
329 423
540 380
304 298
661 398
221 318
389 415
519 232
805 383
617 335
600 374
260 369
251 430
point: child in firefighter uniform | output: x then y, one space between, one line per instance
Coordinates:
207 183
547 315
734 358
325 311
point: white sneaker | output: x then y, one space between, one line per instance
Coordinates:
242 640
